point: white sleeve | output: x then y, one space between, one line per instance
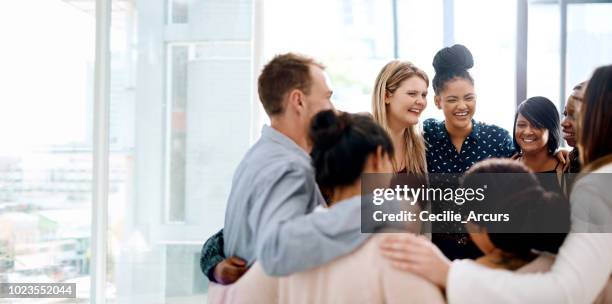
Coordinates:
591 205
582 268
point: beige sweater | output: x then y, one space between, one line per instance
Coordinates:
253 287
363 276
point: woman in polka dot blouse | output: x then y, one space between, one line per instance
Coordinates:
455 144
458 142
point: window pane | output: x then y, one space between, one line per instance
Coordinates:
418 45
179 11
352 38
488 29
47 62
179 57
589 40
185 95
543 61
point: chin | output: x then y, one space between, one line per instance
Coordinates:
529 149
411 122
462 124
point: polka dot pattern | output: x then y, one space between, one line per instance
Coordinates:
484 141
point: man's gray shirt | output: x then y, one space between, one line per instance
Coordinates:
269 212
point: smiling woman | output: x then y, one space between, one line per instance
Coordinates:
457 142
399 98
537 136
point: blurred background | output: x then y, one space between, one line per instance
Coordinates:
183 110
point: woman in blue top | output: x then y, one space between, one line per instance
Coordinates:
457 142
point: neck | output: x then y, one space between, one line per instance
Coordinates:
536 160
345 192
455 132
291 130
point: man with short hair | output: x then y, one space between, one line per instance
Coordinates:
268 216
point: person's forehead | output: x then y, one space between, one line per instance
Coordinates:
579 92
320 77
459 84
521 117
413 81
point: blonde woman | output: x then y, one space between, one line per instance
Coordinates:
399 98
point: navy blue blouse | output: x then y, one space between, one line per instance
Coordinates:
484 141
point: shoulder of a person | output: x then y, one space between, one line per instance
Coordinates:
591 185
542 263
291 166
487 127
430 123
431 127
607 168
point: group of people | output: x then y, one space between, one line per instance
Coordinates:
292 230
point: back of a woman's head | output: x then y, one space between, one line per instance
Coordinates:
450 63
595 125
542 114
533 212
341 144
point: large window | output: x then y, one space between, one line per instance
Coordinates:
45 156
589 40
488 29
181 92
543 57
420 36
352 38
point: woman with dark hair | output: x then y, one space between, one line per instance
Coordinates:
537 135
583 266
459 141
345 146
455 144
568 125
568 130
519 195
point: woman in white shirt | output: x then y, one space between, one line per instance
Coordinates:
584 264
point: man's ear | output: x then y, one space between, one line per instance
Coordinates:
437 101
296 100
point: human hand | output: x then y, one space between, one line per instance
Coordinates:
418 255
230 270
563 156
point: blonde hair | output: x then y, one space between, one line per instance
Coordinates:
387 82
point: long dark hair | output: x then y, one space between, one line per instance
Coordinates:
542 113
595 125
341 144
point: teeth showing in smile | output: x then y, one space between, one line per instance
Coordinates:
415 111
566 134
528 140
461 114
